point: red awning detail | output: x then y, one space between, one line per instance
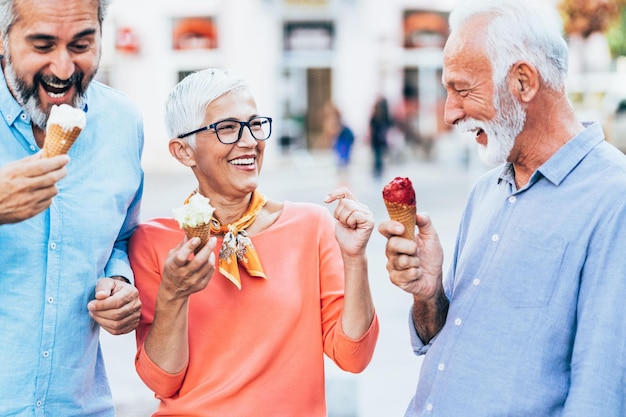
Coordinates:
195 32
424 29
126 40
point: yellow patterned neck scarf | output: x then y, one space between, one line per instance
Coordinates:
237 248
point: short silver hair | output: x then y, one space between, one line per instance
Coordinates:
8 16
185 108
520 30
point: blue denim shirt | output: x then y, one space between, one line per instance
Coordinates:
537 324
50 359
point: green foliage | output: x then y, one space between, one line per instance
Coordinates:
616 35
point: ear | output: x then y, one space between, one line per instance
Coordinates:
524 81
1 47
180 149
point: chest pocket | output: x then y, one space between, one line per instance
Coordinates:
527 266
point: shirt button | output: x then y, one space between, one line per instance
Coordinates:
50 300
46 354
53 245
495 237
39 403
23 116
441 366
476 281
9 118
458 322
429 407
32 147
512 199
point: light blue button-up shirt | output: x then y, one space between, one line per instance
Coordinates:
50 359
537 323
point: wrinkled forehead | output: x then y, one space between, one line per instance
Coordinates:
49 13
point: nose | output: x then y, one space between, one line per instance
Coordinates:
453 110
245 137
62 65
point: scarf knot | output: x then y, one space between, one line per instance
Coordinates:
237 248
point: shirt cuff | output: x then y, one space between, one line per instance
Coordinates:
419 348
117 267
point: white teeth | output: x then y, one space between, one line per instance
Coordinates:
57 85
242 161
55 95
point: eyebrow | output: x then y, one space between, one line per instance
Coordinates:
44 37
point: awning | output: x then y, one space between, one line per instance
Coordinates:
195 33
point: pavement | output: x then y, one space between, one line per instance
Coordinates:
386 386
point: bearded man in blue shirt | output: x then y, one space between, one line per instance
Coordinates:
64 221
529 320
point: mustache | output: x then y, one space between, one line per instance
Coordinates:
76 79
29 91
468 125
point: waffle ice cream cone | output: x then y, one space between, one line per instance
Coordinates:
405 215
64 125
202 231
194 217
399 197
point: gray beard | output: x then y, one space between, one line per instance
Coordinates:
28 98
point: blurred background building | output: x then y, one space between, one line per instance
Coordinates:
300 55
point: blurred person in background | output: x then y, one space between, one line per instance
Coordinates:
342 139
379 125
64 221
208 346
406 117
530 319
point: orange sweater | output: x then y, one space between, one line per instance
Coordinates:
258 351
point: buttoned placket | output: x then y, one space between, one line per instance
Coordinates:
52 284
457 321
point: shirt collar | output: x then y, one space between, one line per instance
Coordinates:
565 159
558 167
9 107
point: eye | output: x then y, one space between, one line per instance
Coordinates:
227 126
43 46
257 123
79 47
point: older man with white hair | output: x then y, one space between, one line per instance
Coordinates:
529 320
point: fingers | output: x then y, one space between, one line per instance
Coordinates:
339 194
36 166
424 223
119 311
398 259
349 212
27 186
390 228
104 288
185 273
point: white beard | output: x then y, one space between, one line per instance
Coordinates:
501 131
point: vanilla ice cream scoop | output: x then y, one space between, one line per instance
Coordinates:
196 212
194 217
64 125
67 117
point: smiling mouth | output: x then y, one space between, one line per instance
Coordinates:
478 132
242 161
56 89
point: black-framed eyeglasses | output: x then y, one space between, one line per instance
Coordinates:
229 131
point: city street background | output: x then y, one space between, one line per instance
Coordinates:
441 184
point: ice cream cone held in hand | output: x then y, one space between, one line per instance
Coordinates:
194 217
64 125
399 197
